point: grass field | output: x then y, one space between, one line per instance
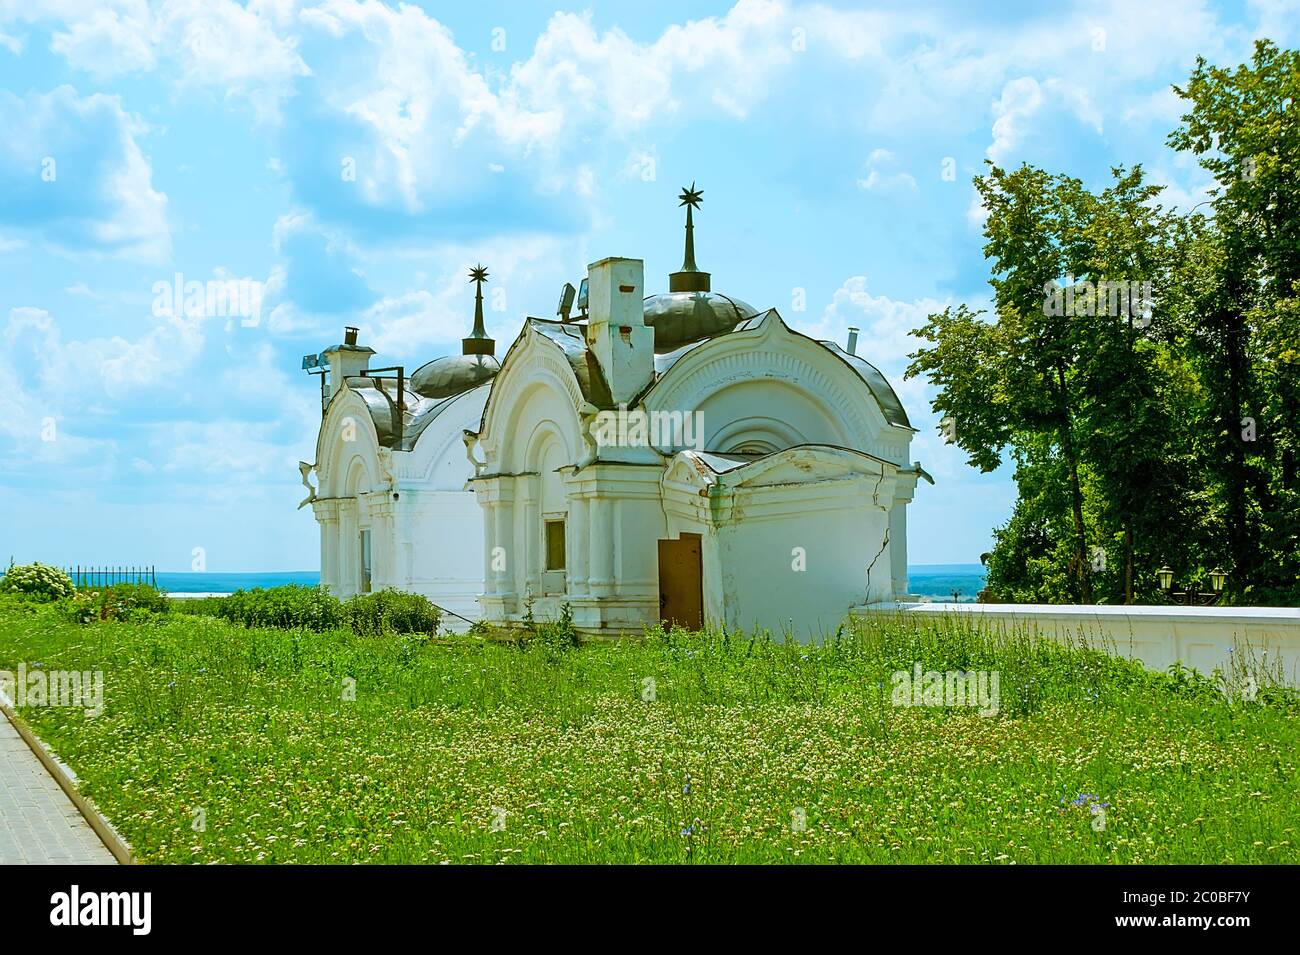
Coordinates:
220 744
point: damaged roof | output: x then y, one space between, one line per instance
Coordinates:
401 429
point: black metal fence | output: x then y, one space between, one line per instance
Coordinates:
107 576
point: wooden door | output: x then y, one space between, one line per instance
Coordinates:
681 585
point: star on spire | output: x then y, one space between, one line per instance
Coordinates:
690 278
691 199
478 342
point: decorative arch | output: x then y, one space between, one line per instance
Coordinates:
359 480
533 368
756 434
546 432
770 351
347 417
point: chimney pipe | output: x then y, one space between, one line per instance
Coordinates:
345 361
616 330
852 348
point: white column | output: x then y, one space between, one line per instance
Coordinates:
898 548
327 515
577 545
528 535
505 537
903 491
601 564
490 584
383 545
348 546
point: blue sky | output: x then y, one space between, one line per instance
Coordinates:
355 157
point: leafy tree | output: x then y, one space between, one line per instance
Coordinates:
1242 127
1065 378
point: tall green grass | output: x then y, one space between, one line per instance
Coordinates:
293 745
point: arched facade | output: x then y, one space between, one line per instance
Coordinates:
574 519
704 464
399 516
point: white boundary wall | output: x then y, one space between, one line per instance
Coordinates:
1203 638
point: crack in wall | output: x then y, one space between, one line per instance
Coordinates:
875 499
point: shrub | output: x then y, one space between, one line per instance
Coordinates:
20 603
286 607
556 637
116 602
197 606
38 581
391 611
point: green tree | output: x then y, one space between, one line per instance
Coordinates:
1069 378
1242 127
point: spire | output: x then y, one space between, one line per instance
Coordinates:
478 342
690 278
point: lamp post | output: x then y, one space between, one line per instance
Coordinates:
1192 596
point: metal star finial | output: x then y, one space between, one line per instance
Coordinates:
691 197
478 342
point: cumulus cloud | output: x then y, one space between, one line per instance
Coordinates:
405 324
107 42
391 127
235 49
87 406
881 175
72 172
319 274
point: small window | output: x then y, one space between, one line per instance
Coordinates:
365 562
555 545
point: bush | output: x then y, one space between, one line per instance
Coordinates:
20 603
555 638
391 611
367 615
287 607
197 606
116 602
38 581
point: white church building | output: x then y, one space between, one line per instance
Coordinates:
678 456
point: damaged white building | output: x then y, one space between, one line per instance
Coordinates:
679 456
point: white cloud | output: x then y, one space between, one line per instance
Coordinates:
878 178
72 173
221 45
1052 124
108 42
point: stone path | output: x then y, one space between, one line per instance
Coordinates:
38 822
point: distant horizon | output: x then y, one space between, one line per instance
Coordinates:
937 568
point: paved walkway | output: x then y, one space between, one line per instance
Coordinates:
38 822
